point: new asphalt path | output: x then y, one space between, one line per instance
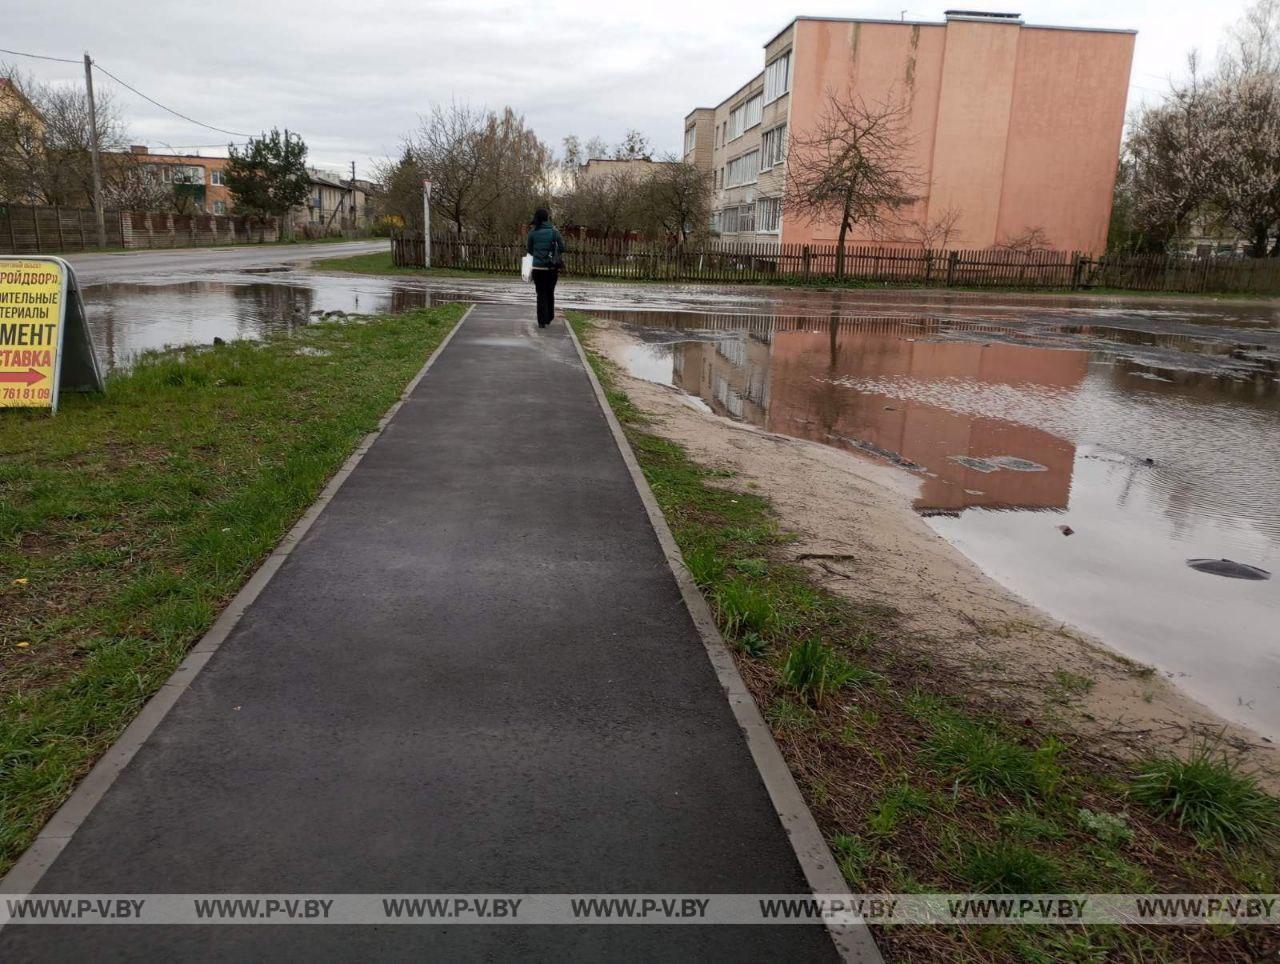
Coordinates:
475 673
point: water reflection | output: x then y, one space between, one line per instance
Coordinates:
129 318
1147 462
1151 430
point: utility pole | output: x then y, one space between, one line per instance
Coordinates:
352 205
93 150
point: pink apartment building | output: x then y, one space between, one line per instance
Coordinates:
1015 128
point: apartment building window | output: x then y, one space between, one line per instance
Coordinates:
743 170
747 217
735 124
729 221
777 77
773 147
769 214
219 207
689 138
215 178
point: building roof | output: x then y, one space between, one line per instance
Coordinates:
951 15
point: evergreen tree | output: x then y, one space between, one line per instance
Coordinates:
269 177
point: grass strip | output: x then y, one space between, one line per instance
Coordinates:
130 519
923 782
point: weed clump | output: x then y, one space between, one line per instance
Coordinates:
1208 795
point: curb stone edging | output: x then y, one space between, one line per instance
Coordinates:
853 942
57 832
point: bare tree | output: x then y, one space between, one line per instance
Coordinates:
487 168
938 232
852 169
400 185
675 200
129 185
45 133
1032 239
606 203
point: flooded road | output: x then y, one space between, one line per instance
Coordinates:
1079 452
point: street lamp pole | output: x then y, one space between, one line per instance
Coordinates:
426 223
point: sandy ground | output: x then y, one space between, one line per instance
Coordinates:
859 536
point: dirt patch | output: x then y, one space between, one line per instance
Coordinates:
858 535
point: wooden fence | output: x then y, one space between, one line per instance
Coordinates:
27 229
728 262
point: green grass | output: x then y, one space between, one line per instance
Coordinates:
1208 795
921 780
129 519
976 755
1003 867
896 804
816 672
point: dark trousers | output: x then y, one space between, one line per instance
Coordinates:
544 280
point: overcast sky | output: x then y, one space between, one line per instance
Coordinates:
353 77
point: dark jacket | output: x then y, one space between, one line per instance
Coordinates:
544 243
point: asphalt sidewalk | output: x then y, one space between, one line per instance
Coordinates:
474 674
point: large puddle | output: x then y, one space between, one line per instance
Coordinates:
1082 466
1150 433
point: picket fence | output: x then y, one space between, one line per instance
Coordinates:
730 262
36 229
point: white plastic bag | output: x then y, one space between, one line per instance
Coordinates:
526 267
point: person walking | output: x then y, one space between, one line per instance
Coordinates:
547 247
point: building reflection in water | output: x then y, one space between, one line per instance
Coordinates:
798 377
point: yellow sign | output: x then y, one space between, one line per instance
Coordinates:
42 320
31 302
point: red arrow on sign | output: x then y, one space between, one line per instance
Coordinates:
30 376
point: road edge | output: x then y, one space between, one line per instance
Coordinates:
58 830
854 942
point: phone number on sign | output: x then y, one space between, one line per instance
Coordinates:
26 394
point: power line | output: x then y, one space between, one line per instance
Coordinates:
152 100
19 53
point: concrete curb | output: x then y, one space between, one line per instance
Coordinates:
23 877
853 941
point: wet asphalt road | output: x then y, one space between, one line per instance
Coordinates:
194 262
474 674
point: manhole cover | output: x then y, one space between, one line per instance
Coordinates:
1225 567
